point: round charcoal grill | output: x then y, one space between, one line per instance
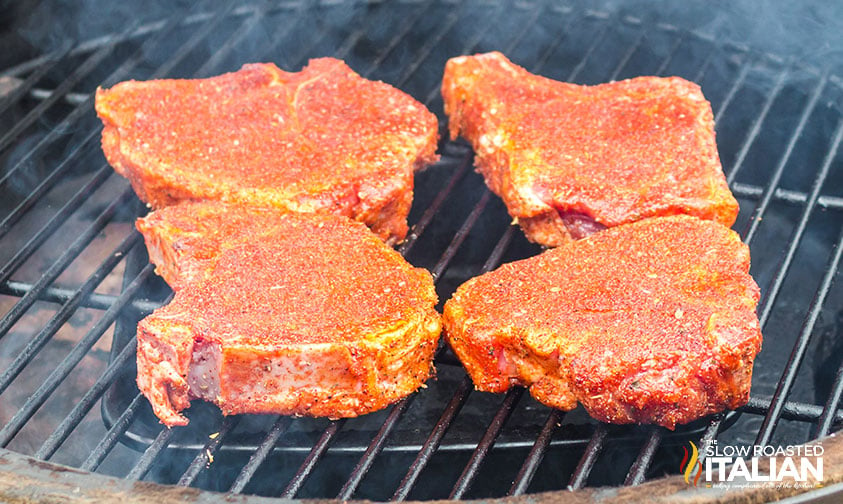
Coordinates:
75 278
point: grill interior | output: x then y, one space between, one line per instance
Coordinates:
75 279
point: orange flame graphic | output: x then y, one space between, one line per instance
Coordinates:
699 473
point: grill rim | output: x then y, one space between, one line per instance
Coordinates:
764 194
24 477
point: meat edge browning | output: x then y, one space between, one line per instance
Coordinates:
539 220
334 380
664 387
165 242
546 222
644 393
543 219
165 258
382 200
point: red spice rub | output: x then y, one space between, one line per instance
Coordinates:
569 160
281 312
650 322
320 140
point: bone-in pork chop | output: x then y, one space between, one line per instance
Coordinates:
281 312
569 160
649 322
320 140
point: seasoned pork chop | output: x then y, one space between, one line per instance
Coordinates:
569 160
649 322
281 312
320 140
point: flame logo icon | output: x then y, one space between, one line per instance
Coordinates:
687 466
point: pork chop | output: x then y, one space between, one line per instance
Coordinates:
649 322
569 160
320 140
281 312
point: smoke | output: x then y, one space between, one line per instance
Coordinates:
810 30
47 25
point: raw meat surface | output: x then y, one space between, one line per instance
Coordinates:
320 140
649 322
281 312
569 160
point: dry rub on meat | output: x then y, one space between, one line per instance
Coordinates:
281 312
569 160
320 140
649 322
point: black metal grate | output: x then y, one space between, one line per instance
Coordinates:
74 277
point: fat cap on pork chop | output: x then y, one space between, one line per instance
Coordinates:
320 140
649 322
281 312
568 160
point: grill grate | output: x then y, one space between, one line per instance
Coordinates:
74 277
